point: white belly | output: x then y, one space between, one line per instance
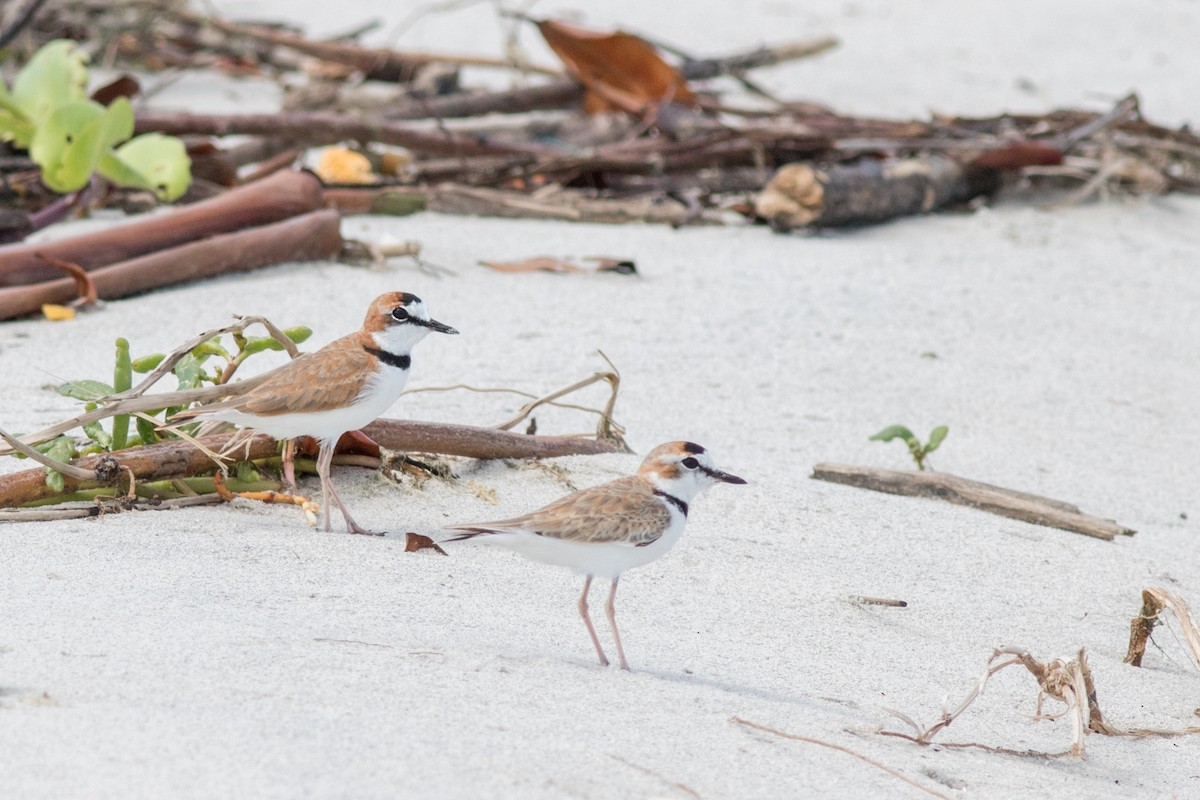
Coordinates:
600 560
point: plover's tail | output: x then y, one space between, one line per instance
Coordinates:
466 532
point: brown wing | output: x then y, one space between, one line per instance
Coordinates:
329 378
624 510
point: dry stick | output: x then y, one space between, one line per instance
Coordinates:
683 787
283 195
840 749
66 469
1125 108
168 363
380 64
985 497
472 442
51 514
312 236
1154 600
316 127
24 14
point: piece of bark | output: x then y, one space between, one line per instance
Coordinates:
178 458
308 237
867 191
280 196
964 492
1154 600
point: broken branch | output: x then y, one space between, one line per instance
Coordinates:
983 496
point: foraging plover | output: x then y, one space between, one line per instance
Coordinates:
605 530
341 387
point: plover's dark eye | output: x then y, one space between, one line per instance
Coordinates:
690 462
399 313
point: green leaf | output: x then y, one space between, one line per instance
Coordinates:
85 389
60 449
257 344
189 371
68 146
212 347
247 473
14 125
147 363
893 432
150 161
97 434
935 438
146 430
56 75
122 381
298 334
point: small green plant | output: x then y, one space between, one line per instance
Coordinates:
70 137
191 372
918 451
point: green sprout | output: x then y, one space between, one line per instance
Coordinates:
918 451
191 372
70 137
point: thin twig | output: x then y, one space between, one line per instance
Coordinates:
59 466
840 749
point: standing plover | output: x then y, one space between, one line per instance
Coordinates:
607 529
339 388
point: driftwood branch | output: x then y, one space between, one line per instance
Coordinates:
278 197
964 492
309 237
175 459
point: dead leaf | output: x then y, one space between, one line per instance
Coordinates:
620 70
122 86
415 541
622 266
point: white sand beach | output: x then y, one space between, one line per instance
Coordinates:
232 651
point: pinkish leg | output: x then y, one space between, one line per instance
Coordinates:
323 463
324 457
583 612
289 465
611 609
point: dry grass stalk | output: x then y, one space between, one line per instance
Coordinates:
1067 680
796 737
1154 600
